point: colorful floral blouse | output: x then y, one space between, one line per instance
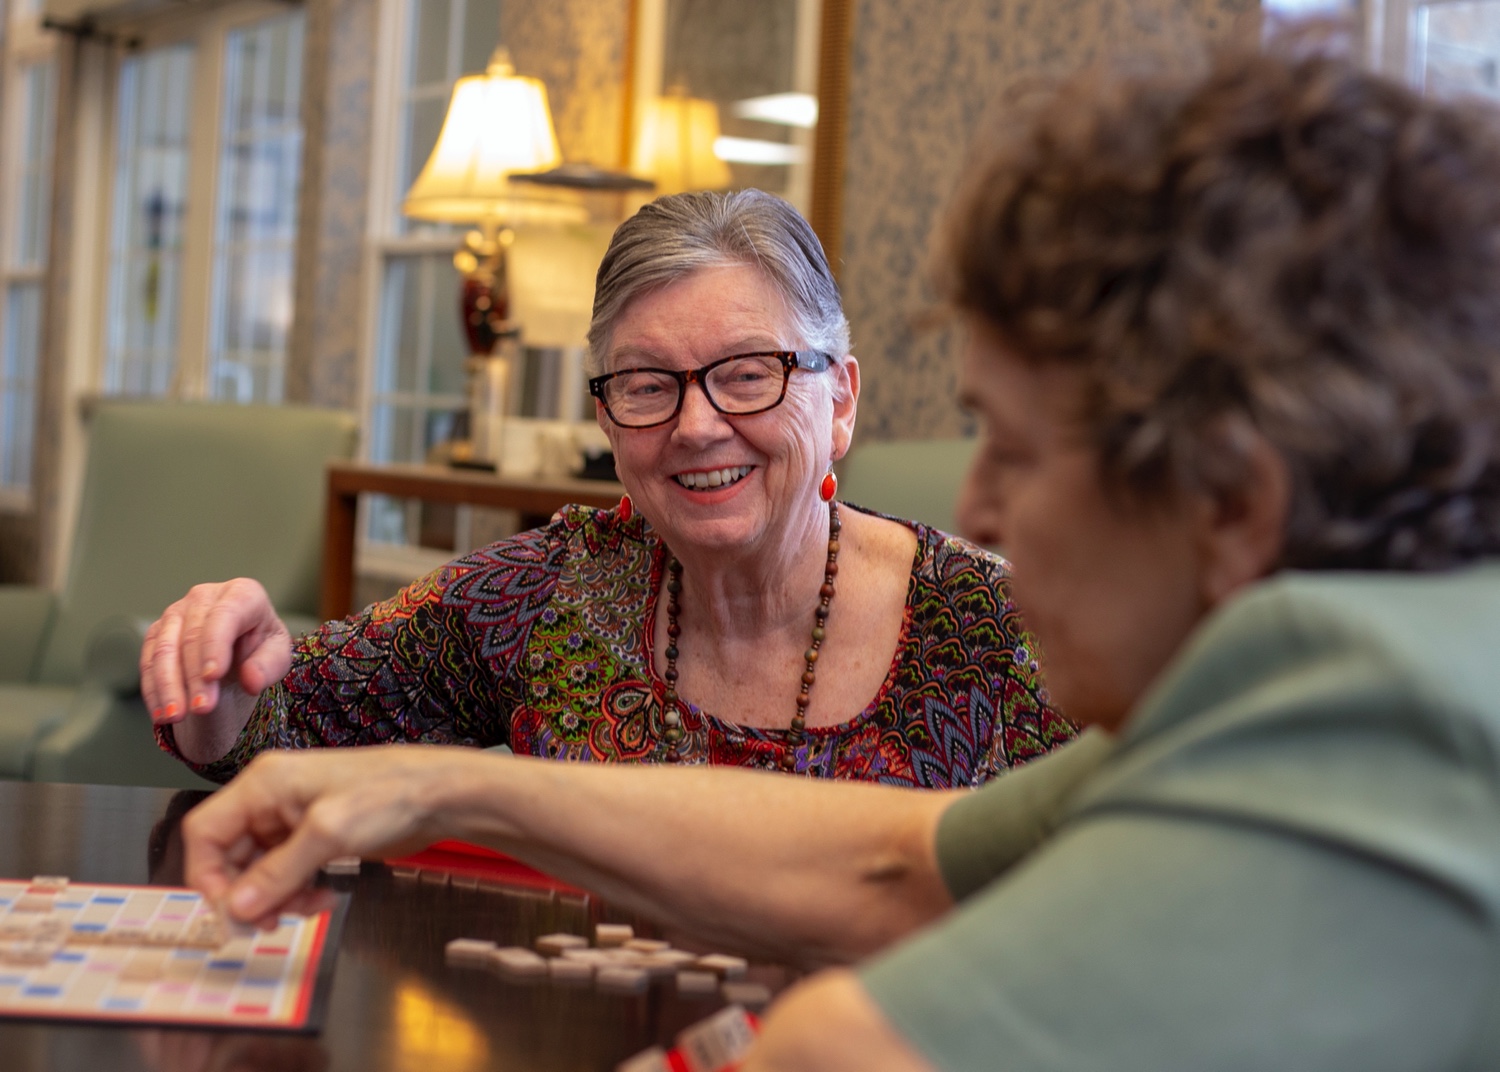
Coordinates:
543 642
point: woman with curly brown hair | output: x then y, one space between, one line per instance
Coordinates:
1236 348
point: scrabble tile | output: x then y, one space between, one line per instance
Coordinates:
554 944
678 958
33 902
201 932
657 966
126 936
210 930
407 874
753 996
27 953
697 984
434 878
48 928
648 945
517 962
342 865
55 883
591 957
622 958
166 933
622 980
613 934
14 927
723 965
465 882
561 970
471 951
594 957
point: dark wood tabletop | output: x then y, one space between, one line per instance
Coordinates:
395 1006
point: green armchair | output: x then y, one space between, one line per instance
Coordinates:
914 478
174 493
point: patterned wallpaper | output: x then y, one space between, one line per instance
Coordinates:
922 74
577 47
323 365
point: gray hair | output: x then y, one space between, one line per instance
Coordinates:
675 236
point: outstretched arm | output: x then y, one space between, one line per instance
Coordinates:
812 872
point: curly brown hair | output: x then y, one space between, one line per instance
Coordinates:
1285 238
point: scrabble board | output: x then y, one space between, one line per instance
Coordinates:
156 955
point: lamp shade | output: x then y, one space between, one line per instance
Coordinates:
676 145
497 123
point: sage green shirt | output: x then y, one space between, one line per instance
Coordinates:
1289 858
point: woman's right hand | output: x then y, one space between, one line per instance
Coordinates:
207 658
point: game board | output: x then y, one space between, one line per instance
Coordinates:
156 954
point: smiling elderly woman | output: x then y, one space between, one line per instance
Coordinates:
730 611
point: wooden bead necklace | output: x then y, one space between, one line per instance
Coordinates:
798 733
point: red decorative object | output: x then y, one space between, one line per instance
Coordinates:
484 304
627 508
829 487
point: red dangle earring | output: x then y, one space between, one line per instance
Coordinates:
627 508
829 487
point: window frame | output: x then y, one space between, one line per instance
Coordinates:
208 32
387 238
24 46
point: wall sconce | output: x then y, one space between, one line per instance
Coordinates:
497 124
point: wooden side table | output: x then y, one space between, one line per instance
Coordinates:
536 497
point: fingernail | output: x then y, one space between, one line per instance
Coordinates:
200 701
210 668
171 711
156 714
244 902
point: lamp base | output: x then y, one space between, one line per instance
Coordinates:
472 463
489 401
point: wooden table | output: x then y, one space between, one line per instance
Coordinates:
395 1006
532 497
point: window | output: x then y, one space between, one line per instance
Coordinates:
256 231
1455 48
417 375
201 244
1444 47
150 210
27 125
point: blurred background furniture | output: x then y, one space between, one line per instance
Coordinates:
174 494
917 478
535 498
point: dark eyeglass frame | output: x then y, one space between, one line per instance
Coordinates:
807 360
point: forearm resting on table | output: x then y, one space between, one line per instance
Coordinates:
814 872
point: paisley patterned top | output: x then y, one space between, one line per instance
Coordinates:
543 642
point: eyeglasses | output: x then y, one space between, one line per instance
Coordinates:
736 386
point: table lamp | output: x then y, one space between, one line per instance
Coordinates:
676 144
497 124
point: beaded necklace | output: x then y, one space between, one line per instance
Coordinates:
673 717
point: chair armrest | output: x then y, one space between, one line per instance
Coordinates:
26 615
112 655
